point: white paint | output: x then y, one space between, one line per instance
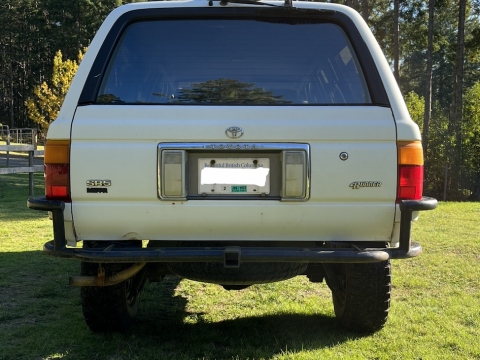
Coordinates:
123 148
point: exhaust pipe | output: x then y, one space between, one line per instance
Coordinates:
100 279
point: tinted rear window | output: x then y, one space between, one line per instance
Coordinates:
233 62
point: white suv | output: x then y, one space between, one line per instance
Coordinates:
242 142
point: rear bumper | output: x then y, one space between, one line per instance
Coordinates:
233 256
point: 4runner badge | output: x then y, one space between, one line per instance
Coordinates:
234 132
359 184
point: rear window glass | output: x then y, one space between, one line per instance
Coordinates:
233 62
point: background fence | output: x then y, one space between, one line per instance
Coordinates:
21 136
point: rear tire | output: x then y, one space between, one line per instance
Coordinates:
362 299
110 308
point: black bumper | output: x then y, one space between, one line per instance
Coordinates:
232 256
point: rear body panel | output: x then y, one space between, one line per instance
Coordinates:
123 149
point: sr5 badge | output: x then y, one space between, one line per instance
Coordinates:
101 183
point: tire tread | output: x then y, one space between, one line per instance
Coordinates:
105 309
367 297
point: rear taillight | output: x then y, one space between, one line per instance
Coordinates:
294 175
410 170
57 170
173 174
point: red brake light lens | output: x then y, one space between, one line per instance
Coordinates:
57 182
410 182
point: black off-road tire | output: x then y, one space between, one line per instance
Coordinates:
246 274
362 301
110 308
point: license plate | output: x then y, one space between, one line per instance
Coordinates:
250 176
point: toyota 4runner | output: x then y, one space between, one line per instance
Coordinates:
234 142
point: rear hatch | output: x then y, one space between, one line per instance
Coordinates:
240 125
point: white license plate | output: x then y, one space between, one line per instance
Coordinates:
234 176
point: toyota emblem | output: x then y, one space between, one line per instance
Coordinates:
234 132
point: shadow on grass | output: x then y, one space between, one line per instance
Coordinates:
256 337
165 322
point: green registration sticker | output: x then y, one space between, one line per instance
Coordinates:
239 189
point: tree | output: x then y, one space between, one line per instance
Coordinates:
415 105
44 107
365 11
428 77
471 141
396 45
436 159
31 32
457 99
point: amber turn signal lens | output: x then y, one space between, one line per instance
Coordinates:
410 153
57 152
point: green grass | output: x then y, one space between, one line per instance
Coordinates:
435 311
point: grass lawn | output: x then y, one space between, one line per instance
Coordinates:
435 311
